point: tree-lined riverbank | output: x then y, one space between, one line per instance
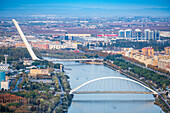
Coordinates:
148 77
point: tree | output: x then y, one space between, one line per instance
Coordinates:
164 86
96 56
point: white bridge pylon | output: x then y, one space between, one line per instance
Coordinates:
31 52
122 78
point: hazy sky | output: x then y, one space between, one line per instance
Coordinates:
85 7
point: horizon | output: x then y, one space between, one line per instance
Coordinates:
78 8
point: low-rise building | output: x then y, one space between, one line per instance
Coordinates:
164 64
28 62
167 50
40 45
56 46
4 67
20 45
155 61
148 51
5 85
7 78
142 58
36 73
79 35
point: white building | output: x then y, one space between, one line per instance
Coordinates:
122 33
152 35
138 34
56 46
70 44
128 33
28 62
79 35
5 85
4 67
156 35
147 34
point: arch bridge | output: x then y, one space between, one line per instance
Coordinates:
112 85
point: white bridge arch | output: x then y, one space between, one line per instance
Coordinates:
122 78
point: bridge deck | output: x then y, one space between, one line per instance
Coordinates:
96 92
72 59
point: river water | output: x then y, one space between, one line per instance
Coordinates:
105 103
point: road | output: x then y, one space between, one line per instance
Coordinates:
60 102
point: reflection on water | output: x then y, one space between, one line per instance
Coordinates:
113 103
112 107
113 97
105 103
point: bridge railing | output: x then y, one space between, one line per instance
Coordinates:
98 92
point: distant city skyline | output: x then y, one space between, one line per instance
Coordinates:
85 7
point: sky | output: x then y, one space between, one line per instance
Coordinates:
85 7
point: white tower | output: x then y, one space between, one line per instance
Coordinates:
6 56
34 57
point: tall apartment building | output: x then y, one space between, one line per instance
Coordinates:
151 34
122 33
138 34
128 33
148 34
156 35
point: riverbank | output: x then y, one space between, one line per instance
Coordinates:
128 73
104 103
116 68
45 93
61 81
62 54
97 62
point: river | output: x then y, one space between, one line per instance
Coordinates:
105 103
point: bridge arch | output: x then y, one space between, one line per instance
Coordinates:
122 78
